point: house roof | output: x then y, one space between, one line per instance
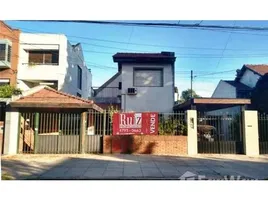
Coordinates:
212 103
47 97
238 85
7 26
261 69
107 82
145 57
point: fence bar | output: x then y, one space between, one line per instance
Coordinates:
36 126
104 123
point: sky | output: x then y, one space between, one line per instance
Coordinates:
206 52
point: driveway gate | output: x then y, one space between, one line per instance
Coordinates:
263 133
58 133
220 134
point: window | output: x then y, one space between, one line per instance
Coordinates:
79 77
2 52
9 54
79 95
4 82
120 85
44 57
148 77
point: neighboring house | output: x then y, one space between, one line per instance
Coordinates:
231 89
245 81
9 54
50 59
144 82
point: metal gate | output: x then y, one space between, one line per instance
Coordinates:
220 134
59 133
263 132
2 125
26 133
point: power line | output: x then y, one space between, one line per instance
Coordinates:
149 24
219 61
139 44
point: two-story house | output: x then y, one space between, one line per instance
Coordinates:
144 82
50 59
9 54
245 81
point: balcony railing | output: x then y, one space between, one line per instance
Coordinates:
106 94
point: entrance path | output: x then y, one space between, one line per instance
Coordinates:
125 166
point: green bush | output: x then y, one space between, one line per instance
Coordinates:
171 126
6 91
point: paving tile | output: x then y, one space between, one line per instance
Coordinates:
132 170
54 173
132 173
151 173
147 164
171 174
97 173
74 173
113 173
98 165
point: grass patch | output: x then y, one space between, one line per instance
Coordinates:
6 177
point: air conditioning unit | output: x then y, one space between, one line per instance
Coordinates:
131 91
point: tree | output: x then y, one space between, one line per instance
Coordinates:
6 91
186 95
259 96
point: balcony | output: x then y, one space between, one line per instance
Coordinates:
106 95
5 54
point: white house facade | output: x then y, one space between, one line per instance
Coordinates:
144 82
245 81
50 59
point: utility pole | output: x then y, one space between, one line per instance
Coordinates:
191 83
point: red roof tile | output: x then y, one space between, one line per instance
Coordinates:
48 94
260 69
48 97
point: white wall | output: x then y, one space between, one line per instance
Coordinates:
224 90
75 58
158 99
249 78
11 132
65 73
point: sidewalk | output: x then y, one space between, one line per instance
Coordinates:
72 167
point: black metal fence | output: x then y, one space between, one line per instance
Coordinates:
172 123
2 124
220 133
263 132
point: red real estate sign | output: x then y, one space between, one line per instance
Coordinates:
135 123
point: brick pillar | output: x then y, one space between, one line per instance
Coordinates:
250 133
192 132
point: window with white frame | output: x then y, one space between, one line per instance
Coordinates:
4 82
148 77
5 52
